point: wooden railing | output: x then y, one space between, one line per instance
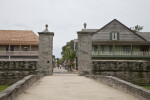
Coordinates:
122 53
19 53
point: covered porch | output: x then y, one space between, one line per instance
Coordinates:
18 51
120 50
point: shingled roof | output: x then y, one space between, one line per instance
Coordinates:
138 36
145 35
18 37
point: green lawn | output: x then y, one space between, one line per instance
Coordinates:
3 87
147 87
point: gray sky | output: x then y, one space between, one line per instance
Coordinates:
66 17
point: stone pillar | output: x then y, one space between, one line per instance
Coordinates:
84 52
45 66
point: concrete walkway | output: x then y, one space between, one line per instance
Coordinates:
62 86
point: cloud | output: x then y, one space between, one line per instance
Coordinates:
65 17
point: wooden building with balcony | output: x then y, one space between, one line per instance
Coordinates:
18 44
117 41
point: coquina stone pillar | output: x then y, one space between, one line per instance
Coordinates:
45 66
84 52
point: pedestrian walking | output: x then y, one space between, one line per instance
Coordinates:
58 66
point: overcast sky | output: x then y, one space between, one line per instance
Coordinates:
66 17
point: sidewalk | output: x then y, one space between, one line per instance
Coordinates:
63 86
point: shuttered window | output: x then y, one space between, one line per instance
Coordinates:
114 36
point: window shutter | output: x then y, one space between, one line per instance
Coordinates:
110 35
118 36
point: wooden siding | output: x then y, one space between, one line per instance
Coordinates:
125 34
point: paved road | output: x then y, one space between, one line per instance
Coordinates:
63 86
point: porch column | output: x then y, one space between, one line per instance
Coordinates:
131 49
114 49
9 51
98 49
20 47
30 47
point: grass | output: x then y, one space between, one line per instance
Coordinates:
146 87
3 87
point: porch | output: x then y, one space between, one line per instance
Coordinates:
121 54
121 51
18 55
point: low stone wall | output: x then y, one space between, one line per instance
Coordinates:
137 72
11 92
137 91
13 71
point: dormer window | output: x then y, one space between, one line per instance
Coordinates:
114 35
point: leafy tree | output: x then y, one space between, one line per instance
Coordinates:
58 61
68 44
68 53
136 28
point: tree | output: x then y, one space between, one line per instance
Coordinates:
58 61
68 53
68 44
136 28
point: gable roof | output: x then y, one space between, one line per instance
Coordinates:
18 37
122 25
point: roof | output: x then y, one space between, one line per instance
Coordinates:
115 21
145 35
103 34
18 37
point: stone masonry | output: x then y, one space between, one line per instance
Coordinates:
84 52
45 66
137 72
13 71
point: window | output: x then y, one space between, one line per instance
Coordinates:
114 35
127 49
25 49
95 48
11 48
106 48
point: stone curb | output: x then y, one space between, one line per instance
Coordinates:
17 88
137 91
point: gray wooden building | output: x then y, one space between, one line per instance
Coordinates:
117 41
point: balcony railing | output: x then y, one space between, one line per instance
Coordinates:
121 54
18 53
